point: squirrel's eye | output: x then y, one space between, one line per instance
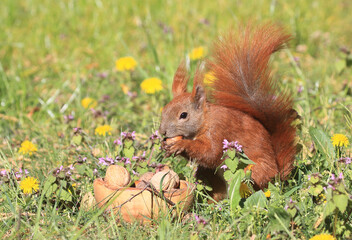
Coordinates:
183 115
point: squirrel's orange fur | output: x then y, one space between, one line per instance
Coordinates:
242 104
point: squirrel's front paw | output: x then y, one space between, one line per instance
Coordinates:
176 148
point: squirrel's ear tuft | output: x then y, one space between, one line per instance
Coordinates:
199 96
198 92
181 77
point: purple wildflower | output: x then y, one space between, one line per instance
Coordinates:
346 160
134 173
224 167
132 94
59 169
297 60
335 181
155 135
300 89
231 145
102 75
118 142
95 171
68 118
139 158
3 173
102 162
77 130
291 204
200 220
81 160
127 161
108 159
128 135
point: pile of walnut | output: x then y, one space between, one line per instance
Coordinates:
118 177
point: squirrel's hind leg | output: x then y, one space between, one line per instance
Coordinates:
214 180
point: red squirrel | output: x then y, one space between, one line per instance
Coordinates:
243 103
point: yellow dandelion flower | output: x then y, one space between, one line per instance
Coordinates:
245 192
124 88
248 168
29 184
89 102
151 85
322 198
339 140
323 236
27 147
267 193
209 78
103 130
125 64
197 53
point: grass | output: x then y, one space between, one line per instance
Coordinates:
53 54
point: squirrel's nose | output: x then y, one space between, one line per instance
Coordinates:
162 131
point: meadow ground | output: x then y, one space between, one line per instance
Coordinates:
59 84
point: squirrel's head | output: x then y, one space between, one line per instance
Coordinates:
184 115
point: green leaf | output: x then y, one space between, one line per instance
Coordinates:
77 140
81 168
340 65
341 187
247 161
143 164
51 189
341 201
322 142
65 195
257 199
51 179
128 143
279 219
292 212
128 152
314 179
200 187
142 170
289 193
48 184
234 189
228 175
329 208
315 190
231 164
63 183
231 154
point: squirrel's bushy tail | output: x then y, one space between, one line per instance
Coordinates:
243 81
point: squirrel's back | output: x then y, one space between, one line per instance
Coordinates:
243 81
